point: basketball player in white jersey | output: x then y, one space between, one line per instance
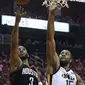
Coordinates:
58 71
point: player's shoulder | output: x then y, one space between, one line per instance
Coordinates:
60 69
79 80
77 76
17 70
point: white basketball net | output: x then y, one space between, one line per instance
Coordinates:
52 4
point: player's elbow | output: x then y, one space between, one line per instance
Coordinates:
50 47
50 41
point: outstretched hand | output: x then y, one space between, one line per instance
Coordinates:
19 13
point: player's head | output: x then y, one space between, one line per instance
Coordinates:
23 53
65 58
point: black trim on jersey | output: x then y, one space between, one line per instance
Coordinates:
50 79
68 70
53 74
56 70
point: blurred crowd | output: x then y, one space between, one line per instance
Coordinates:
4 70
37 53
77 65
66 18
5 73
66 43
5 10
37 49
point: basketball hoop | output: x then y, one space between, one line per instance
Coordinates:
52 4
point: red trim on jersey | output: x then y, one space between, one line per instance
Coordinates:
31 66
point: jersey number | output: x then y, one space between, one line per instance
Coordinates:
68 82
31 79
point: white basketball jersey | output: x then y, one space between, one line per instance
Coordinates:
63 77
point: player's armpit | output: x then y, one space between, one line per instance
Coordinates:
15 64
79 80
49 69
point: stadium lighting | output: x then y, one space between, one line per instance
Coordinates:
34 23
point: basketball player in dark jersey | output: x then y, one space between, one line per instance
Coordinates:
20 71
58 71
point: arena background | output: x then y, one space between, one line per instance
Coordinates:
35 40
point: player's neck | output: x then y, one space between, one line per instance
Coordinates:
26 62
67 67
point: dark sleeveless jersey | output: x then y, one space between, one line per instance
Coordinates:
24 76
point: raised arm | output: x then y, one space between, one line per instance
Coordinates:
15 61
52 57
